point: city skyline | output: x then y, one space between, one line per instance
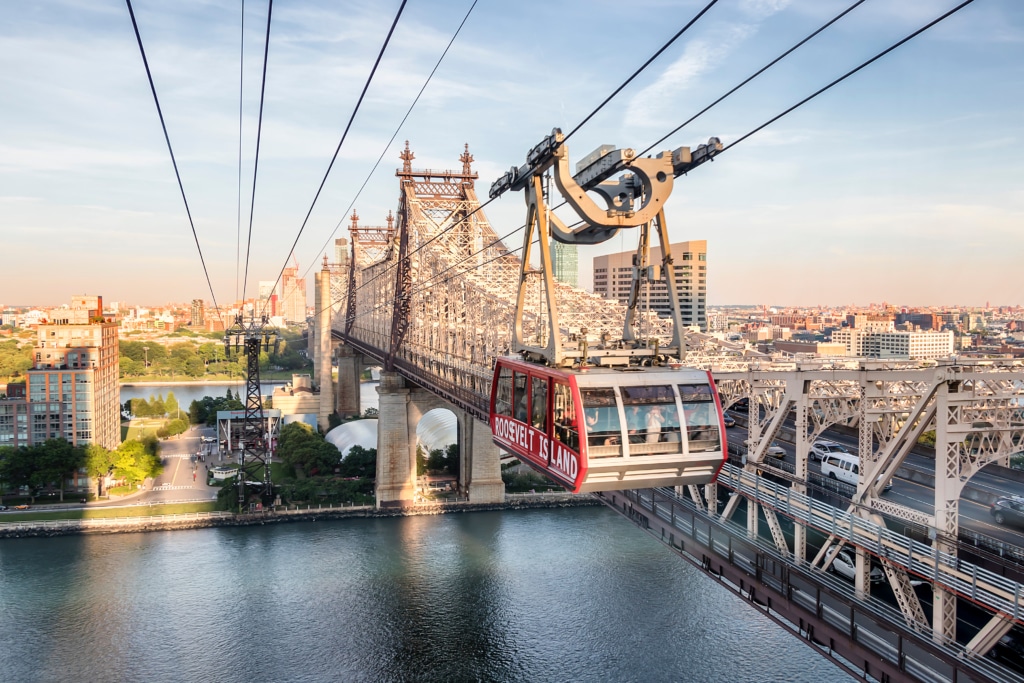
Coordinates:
901 184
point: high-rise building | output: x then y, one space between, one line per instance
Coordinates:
613 277
292 299
198 313
566 259
72 389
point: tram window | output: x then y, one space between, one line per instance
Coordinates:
695 392
519 384
503 397
651 417
539 407
601 414
566 430
702 427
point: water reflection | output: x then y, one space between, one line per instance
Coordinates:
549 595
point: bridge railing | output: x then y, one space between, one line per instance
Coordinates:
868 621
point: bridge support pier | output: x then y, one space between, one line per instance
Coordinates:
349 370
396 454
480 467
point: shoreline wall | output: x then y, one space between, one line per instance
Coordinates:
203 520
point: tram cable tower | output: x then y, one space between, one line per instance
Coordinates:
250 337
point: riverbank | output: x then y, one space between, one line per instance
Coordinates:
201 520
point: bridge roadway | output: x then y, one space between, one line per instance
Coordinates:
977 527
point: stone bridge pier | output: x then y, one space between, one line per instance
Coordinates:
401 408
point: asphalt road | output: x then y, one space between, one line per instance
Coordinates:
973 516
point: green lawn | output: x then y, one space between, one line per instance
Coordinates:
99 512
140 427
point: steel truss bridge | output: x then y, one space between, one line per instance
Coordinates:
432 296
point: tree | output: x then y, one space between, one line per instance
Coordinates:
129 367
305 450
56 460
177 426
171 404
98 463
195 367
140 407
156 406
421 460
360 462
14 360
16 469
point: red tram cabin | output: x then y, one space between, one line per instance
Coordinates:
609 428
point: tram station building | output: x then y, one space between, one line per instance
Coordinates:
613 278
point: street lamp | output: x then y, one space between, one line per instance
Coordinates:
145 350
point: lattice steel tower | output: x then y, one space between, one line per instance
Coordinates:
250 337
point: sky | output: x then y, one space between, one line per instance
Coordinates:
902 184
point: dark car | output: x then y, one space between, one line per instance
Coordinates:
1008 510
729 422
1009 650
2 508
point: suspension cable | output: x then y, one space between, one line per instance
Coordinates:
334 158
238 211
643 66
752 77
174 163
395 135
850 73
259 133
729 146
589 116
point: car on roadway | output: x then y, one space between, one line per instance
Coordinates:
21 507
845 564
3 507
821 448
1008 510
729 422
1008 650
775 450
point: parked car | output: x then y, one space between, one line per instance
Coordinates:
845 565
1008 510
775 450
819 449
729 422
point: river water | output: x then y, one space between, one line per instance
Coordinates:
541 595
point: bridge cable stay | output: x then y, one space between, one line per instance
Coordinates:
589 116
642 67
395 135
238 209
751 77
348 126
170 150
259 133
748 134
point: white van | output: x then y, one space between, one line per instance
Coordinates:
845 467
